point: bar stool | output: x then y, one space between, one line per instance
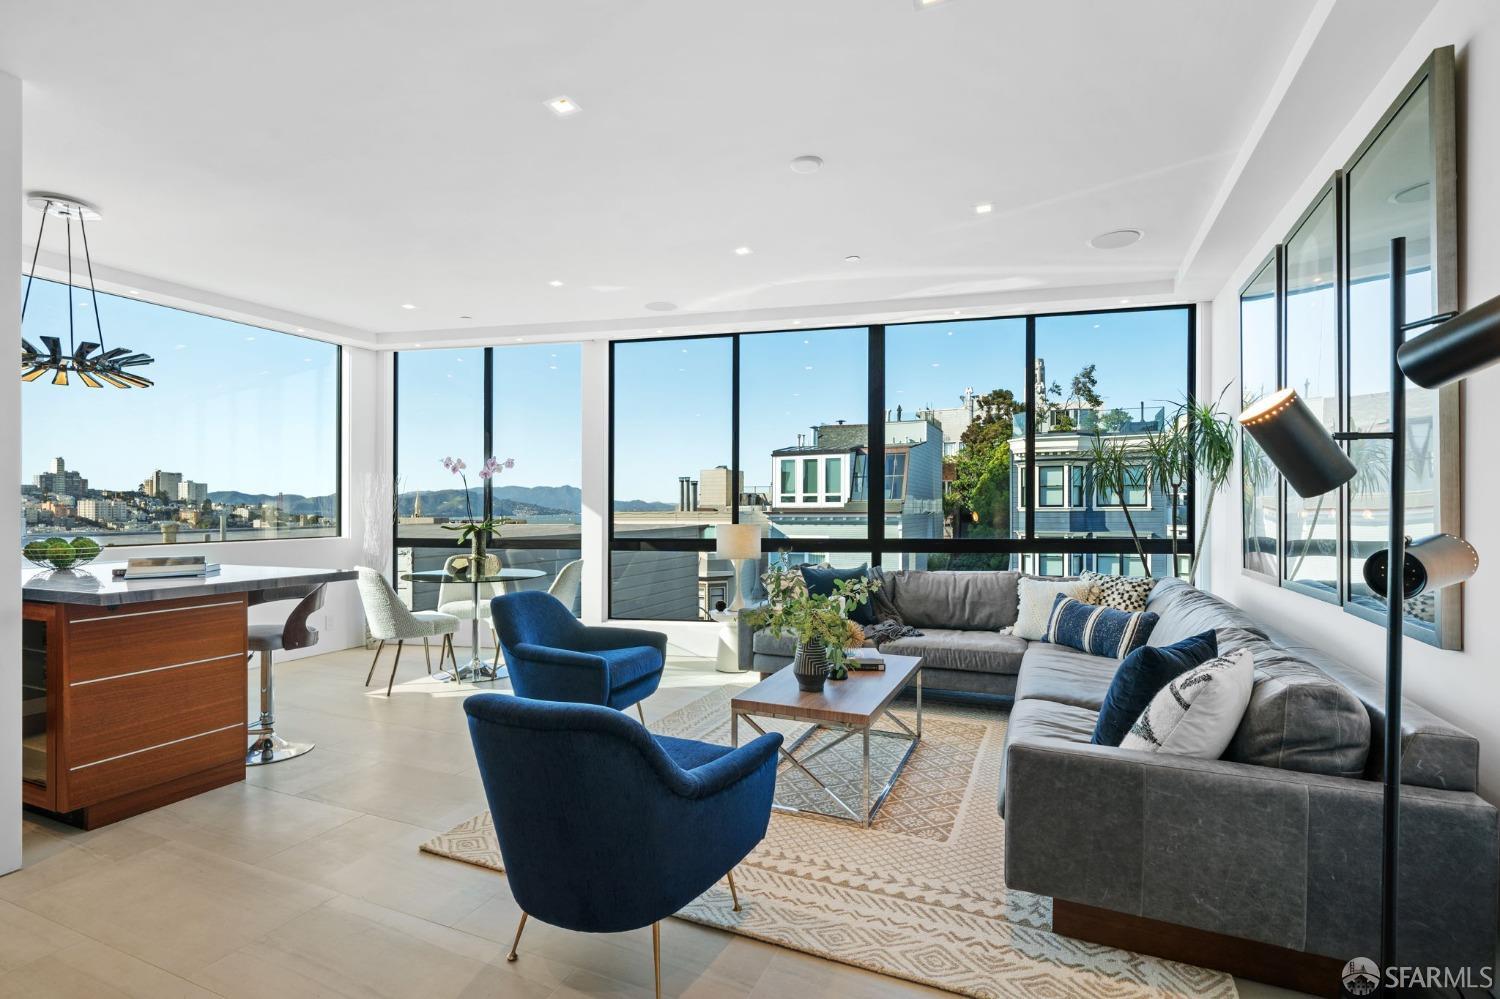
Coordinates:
268 747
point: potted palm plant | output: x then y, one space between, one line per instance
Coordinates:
820 623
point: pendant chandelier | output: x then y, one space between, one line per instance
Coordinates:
106 367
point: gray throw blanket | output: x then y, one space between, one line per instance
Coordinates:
888 631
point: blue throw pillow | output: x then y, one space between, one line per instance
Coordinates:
1099 631
1142 676
820 584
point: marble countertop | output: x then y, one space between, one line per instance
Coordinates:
93 584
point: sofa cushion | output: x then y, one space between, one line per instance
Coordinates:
1036 596
1057 673
1120 592
1142 676
978 601
820 580
1197 713
1299 718
1185 611
1102 631
972 651
1034 718
774 643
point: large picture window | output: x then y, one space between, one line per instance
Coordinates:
517 403
236 440
937 484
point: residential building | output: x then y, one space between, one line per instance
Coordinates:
59 481
162 484
104 511
192 492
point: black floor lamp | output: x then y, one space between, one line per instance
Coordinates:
1312 461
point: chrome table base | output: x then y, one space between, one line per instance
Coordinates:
862 813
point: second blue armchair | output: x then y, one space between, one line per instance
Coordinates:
554 657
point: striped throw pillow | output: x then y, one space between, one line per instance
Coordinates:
1099 631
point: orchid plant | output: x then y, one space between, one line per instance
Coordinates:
489 525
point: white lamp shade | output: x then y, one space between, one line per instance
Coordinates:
737 541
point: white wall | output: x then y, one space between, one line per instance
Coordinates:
10 470
1462 687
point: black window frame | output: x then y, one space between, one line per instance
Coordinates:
875 544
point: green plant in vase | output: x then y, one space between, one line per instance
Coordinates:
475 533
820 623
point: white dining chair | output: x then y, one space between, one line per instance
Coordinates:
567 583
390 621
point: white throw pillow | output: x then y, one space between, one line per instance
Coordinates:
1197 713
1036 599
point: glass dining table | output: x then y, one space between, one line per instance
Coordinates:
476 668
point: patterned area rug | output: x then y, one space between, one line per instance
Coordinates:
920 895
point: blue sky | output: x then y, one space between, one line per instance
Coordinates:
234 406
244 408
673 397
538 415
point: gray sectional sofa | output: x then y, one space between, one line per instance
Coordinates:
961 616
1276 844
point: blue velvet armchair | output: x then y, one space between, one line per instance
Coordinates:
553 656
604 828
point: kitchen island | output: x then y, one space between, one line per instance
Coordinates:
134 692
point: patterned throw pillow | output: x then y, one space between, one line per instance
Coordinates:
1099 631
1197 713
1126 593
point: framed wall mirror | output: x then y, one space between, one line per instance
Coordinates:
1402 181
1260 373
1310 354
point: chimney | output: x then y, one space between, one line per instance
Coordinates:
693 494
682 493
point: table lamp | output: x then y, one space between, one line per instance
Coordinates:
739 543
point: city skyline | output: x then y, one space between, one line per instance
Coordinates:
236 404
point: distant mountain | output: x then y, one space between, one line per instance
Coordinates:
568 498
451 503
326 506
642 506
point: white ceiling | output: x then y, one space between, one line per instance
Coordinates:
327 162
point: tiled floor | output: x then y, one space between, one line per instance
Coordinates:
306 880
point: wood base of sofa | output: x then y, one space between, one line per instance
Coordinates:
1290 969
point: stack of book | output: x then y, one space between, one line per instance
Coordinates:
167 566
864 659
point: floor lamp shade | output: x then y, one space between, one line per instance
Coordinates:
1297 443
1457 348
736 541
1431 563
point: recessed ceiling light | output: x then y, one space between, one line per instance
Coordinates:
563 106
1124 301
807 164
662 306
418 345
407 306
924 4
519 339
301 330
555 284
852 258
1413 195
958 312
743 251
1116 239
134 292
984 208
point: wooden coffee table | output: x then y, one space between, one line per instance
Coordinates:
849 707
